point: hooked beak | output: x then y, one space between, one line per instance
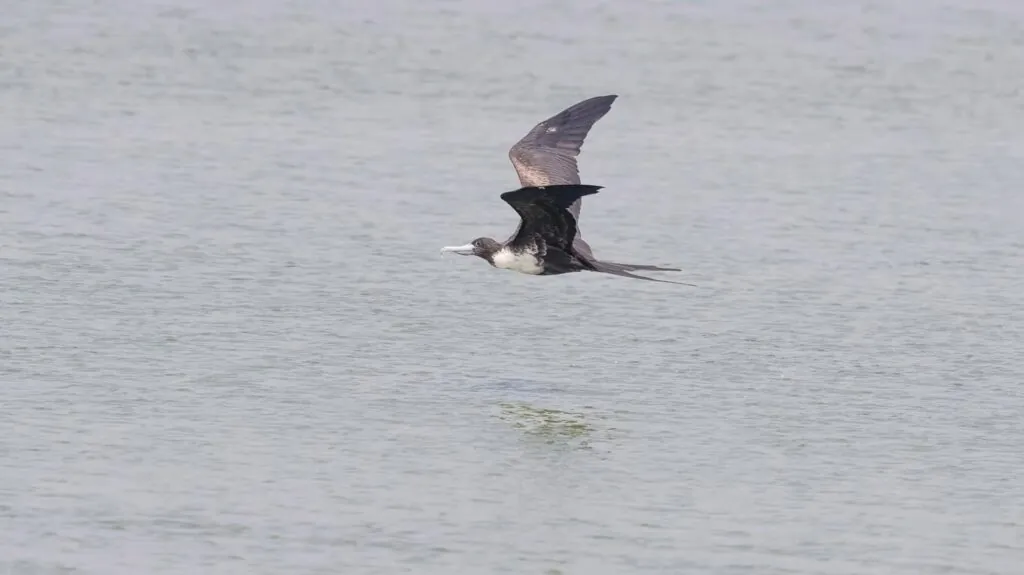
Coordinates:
466 250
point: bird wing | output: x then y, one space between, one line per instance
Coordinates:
546 221
546 156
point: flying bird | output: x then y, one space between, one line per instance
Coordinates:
548 241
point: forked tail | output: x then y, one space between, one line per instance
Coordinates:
639 267
624 269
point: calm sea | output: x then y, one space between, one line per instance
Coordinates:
228 344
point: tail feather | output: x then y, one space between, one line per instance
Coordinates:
640 267
623 270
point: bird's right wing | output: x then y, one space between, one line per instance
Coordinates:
546 156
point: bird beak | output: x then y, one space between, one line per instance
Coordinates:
466 250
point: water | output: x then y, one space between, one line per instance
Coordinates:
228 344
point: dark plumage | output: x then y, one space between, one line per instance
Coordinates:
548 228
546 156
547 241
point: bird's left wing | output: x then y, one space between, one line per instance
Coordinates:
545 215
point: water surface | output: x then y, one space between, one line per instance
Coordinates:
228 343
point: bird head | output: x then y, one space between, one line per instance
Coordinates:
480 247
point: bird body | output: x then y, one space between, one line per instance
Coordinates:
523 262
547 241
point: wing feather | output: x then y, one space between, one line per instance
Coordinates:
545 216
546 155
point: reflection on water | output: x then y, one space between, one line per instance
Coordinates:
552 426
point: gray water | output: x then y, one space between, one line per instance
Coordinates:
228 343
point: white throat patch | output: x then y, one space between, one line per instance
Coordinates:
525 263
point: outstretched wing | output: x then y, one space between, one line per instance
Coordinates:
546 219
546 156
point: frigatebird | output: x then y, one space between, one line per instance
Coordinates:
547 241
